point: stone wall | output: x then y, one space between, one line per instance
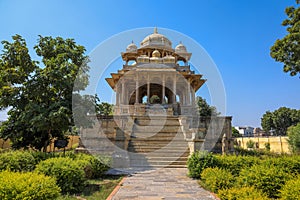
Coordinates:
278 144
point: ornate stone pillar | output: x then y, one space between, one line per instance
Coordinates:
137 90
148 89
188 93
163 89
123 92
174 90
117 95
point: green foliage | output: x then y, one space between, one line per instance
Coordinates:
103 108
289 164
216 179
235 164
198 161
291 190
268 179
17 161
39 97
294 138
206 110
29 185
68 173
235 133
287 49
244 193
279 120
94 166
250 144
268 146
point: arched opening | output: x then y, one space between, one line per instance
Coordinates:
181 63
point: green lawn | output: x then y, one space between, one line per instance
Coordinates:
96 189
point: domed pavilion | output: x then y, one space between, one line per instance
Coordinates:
155 74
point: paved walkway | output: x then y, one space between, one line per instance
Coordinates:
165 183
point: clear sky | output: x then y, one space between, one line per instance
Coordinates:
236 34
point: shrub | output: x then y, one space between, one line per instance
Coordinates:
267 146
236 163
291 189
94 166
268 179
198 161
17 161
216 179
244 193
250 144
289 164
29 185
69 174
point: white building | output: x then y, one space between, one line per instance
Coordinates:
245 131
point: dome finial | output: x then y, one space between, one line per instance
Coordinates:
155 30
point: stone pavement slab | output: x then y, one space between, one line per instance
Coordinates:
164 183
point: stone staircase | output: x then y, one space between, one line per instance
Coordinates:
157 141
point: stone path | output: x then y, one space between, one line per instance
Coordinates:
165 183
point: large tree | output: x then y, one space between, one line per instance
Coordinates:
279 120
287 49
39 95
205 110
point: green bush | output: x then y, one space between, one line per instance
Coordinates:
198 161
94 166
29 185
291 190
250 144
69 174
236 163
17 161
289 164
216 179
244 193
268 179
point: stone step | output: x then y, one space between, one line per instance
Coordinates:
157 122
152 150
157 129
138 163
159 144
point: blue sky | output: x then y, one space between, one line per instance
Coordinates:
236 34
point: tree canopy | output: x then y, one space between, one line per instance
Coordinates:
39 95
205 110
279 120
287 49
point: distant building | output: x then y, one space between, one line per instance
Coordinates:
245 131
259 132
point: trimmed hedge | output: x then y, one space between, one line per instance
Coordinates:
29 185
216 179
17 161
289 164
268 179
199 161
236 163
244 193
291 189
69 174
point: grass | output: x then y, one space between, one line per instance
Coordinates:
96 189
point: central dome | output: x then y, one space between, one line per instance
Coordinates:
156 40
